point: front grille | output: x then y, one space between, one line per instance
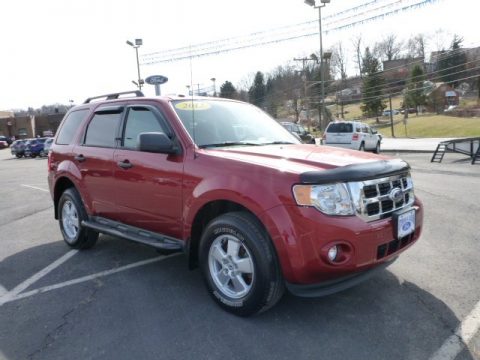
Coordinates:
379 198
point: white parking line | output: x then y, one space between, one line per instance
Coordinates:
463 335
85 278
33 187
33 279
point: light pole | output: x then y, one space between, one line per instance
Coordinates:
214 88
138 43
322 82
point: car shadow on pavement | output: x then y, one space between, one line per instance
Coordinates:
162 310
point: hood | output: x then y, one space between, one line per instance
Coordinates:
296 158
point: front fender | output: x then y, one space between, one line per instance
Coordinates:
252 195
258 198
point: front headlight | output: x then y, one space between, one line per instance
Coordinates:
331 199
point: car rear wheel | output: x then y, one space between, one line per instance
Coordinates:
377 148
71 213
18 156
239 264
362 147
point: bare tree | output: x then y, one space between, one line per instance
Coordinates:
357 45
441 39
417 46
339 61
389 48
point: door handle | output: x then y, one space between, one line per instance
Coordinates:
80 158
125 164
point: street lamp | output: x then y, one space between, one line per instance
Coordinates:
322 82
214 88
136 45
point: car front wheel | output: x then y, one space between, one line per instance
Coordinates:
239 264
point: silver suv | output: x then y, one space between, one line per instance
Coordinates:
352 135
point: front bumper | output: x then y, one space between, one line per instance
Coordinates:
333 286
302 237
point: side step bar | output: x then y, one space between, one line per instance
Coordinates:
132 233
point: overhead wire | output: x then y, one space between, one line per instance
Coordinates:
238 43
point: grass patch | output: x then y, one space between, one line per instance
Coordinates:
430 126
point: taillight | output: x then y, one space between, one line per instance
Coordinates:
50 161
355 137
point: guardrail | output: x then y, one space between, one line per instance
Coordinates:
466 146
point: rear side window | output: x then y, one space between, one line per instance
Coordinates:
102 129
70 126
340 128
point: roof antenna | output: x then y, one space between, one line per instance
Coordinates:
195 155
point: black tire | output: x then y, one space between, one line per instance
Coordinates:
313 142
82 238
377 148
18 156
265 283
362 147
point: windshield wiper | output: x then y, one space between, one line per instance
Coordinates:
278 143
229 143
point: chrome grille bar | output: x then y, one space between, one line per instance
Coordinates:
379 198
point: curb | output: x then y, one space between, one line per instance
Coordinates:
408 151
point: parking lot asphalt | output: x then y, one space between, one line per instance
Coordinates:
125 301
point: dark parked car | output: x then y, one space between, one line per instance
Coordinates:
6 140
46 147
300 131
18 148
34 147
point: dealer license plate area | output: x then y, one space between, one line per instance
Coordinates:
405 224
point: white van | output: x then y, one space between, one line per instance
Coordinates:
352 135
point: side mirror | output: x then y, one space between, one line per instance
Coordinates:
156 142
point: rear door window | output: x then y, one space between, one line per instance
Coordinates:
70 126
340 128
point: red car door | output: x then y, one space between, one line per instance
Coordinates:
94 159
148 185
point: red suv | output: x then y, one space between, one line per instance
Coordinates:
227 185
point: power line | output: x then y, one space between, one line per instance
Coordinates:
265 38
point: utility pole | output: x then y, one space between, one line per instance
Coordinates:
391 115
304 72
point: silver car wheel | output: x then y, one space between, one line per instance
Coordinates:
231 266
70 221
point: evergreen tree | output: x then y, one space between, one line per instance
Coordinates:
256 93
227 90
452 63
415 95
373 84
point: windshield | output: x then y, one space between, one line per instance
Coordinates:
226 123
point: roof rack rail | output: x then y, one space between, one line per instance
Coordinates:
114 96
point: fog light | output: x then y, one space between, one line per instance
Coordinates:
332 253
